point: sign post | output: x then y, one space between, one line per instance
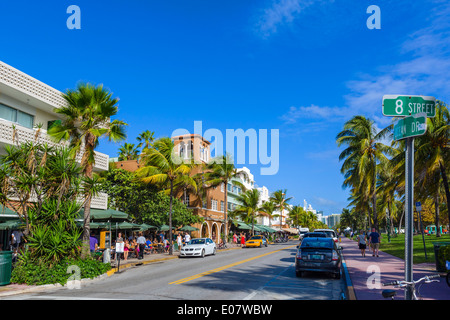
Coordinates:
419 210
414 111
119 250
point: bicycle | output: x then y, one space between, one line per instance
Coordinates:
222 245
404 284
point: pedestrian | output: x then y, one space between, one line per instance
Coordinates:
179 241
362 243
141 242
235 238
187 238
374 241
242 240
93 243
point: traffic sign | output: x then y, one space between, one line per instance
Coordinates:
401 106
412 126
418 206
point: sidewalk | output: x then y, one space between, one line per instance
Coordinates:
13 288
361 271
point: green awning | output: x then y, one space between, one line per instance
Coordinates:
128 226
8 214
164 227
188 228
11 225
145 227
108 214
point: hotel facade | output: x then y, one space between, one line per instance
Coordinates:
26 102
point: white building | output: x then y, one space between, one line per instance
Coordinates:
26 102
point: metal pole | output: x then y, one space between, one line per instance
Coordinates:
423 236
409 193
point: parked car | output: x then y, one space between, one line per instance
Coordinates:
319 254
315 235
330 233
303 231
256 241
198 247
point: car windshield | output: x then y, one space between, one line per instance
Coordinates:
256 238
197 241
317 243
330 234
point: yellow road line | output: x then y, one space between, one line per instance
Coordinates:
225 267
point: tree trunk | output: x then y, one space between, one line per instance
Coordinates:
170 218
374 197
226 212
87 217
436 207
447 192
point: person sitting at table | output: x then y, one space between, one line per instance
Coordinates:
148 246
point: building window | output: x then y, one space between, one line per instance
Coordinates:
187 200
222 206
229 187
17 116
214 205
222 187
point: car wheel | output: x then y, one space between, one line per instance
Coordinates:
203 253
298 274
214 252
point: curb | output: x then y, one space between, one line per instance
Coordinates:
350 291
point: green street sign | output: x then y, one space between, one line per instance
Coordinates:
412 126
402 106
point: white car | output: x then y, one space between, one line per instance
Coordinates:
330 234
199 247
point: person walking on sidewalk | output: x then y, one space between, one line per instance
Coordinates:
362 243
141 243
374 241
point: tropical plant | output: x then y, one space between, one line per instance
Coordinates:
145 139
162 167
363 153
248 209
280 201
128 152
86 119
219 171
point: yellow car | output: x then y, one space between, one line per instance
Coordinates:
256 241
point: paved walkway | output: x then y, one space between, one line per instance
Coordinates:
366 285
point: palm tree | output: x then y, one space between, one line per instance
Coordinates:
128 152
220 171
280 201
163 167
145 139
297 216
268 208
364 151
433 147
86 119
249 207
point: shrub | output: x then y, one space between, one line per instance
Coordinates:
443 255
40 273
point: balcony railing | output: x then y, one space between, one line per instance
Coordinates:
23 134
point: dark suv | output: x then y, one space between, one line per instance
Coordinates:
318 254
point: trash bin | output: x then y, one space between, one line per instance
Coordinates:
5 267
437 245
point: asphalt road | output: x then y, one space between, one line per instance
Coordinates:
239 274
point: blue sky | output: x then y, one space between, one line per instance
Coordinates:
303 67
